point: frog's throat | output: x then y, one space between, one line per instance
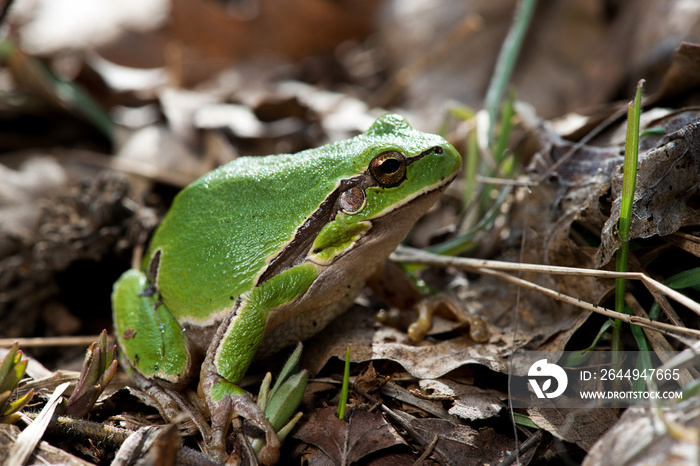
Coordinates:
296 250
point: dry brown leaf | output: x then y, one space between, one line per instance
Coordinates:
646 435
666 195
547 326
682 76
457 444
215 36
580 426
347 441
470 402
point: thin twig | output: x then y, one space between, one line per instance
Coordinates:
49 341
494 268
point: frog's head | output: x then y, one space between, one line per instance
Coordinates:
380 183
373 189
398 174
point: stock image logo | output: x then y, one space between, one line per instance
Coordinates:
540 370
592 379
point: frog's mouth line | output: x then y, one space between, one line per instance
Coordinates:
298 248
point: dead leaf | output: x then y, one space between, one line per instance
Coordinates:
547 325
647 435
580 426
666 195
152 445
348 441
457 444
217 35
470 402
682 76
399 394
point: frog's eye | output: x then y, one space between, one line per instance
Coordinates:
388 168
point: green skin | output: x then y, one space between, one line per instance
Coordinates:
263 252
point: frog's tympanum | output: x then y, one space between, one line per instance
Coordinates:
263 252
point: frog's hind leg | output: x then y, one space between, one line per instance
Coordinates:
153 347
150 338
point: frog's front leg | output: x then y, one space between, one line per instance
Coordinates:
236 342
227 400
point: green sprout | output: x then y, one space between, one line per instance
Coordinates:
99 368
280 403
11 371
346 382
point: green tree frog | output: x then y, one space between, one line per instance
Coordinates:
263 252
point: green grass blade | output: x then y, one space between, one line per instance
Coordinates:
507 114
9 362
523 420
506 61
575 359
15 375
470 169
19 403
685 279
629 180
346 382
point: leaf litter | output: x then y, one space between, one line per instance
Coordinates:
205 115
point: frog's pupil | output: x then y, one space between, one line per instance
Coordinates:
390 166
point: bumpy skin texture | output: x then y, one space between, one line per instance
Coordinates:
267 245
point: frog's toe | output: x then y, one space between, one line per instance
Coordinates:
244 407
269 455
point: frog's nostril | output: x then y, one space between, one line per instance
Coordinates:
438 150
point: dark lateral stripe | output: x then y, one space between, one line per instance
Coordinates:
299 247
